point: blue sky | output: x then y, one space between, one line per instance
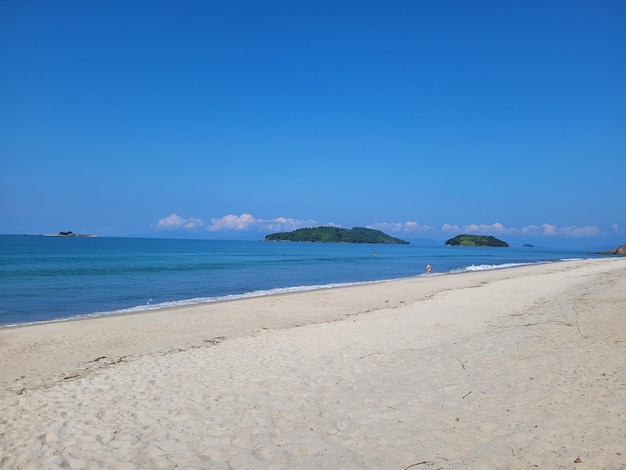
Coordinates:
234 119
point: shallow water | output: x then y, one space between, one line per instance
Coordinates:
51 278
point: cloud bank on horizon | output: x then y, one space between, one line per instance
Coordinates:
249 223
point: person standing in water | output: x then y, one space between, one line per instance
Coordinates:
428 268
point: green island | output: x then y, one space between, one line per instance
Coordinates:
476 240
336 235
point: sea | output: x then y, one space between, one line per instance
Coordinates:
46 278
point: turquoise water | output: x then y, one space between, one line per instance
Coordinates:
52 278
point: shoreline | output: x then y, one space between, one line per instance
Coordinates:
218 316
81 330
502 368
179 304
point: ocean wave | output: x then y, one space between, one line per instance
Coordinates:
487 267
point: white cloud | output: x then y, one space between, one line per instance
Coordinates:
174 221
548 230
615 228
403 227
450 228
232 222
245 222
551 230
574 231
249 222
531 230
538 230
281 224
496 227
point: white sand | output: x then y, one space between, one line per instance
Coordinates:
517 368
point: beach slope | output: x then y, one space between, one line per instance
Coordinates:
510 368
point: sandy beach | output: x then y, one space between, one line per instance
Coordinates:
513 368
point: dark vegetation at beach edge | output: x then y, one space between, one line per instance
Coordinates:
476 240
336 235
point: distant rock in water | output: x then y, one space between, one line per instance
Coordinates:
476 240
68 234
336 235
620 250
528 245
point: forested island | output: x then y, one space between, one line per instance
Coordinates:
476 240
336 235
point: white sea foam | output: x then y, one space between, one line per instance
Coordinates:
487 267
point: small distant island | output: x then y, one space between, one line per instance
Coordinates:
67 234
528 245
336 235
476 240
